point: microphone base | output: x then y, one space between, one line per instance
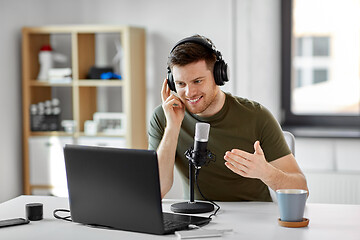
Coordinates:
192 207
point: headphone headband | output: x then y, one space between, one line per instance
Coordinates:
201 41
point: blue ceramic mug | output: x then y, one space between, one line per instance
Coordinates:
291 203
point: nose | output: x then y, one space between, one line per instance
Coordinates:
190 91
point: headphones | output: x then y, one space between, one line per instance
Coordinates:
220 67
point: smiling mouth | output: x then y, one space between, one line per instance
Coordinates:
195 100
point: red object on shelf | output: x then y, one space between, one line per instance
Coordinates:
46 48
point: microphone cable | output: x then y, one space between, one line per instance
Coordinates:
197 171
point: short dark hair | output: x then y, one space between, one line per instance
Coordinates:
190 52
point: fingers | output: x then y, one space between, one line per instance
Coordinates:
239 158
246 155
242 154
165 91
239 161
247 164
236 164
173 102
258 149
170 98
235 169
236 159
167 95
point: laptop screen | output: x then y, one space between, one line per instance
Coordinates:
113 187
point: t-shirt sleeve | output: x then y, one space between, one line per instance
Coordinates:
156 128
272 139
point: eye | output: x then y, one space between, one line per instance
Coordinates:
197 81
180 84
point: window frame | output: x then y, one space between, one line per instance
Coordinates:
290 119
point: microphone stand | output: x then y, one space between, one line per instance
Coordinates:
192 206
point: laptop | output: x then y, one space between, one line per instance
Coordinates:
119 189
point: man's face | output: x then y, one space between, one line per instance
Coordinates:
196 87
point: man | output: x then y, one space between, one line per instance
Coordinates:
250 149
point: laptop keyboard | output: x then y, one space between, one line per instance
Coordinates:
171 225
174 222
174 225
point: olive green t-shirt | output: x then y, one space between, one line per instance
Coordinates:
238 125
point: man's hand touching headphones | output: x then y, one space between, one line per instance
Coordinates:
173 107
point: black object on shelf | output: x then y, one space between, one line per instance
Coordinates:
95 72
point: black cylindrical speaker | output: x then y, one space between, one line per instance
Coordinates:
34 211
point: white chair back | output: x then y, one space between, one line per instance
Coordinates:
290 140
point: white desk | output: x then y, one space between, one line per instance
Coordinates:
249 220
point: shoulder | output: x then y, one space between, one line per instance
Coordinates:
158 116
250 110
156 128
157 122
244 103
158 112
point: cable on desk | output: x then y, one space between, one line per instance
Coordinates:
66 218
197 171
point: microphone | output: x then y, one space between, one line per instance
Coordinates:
199 154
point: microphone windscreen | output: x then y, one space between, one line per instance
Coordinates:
202 132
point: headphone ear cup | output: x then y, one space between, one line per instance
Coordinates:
220 72
170 81
224 72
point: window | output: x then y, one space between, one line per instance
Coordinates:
321 46
320 75
321 63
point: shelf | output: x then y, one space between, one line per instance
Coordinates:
82 134
65 134
37 83
82 82
50 133
76 29
100 83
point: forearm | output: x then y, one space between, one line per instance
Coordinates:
166 158
278 179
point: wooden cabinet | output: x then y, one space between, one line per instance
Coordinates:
81 96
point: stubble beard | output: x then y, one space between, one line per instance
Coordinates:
207 104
